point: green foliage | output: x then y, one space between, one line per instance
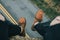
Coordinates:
52 13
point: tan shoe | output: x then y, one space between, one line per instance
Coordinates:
38 18
22 23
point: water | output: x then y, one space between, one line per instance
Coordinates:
23 8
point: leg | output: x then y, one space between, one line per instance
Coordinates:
53 33
15 29
3 31
10 28
40 27
38 18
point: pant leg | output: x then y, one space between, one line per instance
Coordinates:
53 33
13 29
42 27
3 31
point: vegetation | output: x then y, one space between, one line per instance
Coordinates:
50 7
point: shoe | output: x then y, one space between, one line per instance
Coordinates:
38 18
22 23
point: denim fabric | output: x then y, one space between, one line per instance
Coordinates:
7 29
49 32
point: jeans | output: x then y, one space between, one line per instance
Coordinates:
48 32
7 29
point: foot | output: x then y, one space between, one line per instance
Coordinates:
38 18
22 22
